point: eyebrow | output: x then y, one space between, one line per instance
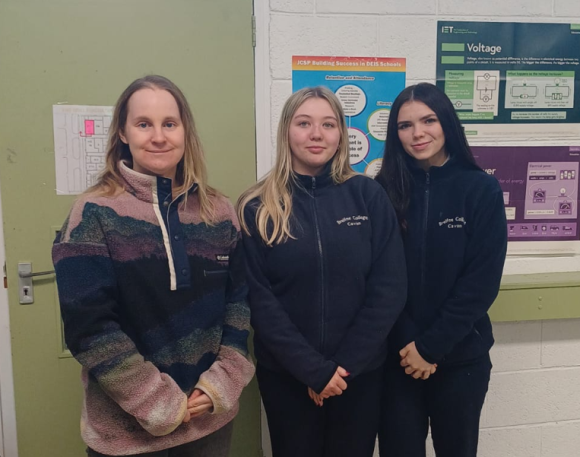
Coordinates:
145 118
427 116
309 117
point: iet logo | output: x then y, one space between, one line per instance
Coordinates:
447 29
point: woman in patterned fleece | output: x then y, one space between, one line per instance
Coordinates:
149 269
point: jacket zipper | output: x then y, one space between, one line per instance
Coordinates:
425 219
321 264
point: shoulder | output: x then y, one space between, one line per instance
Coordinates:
88 206
371 192
477 182
85 217
224 210
251 207
364 184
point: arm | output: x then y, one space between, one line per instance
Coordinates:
477 287
385 292
404 331
232 370
89 302
273 325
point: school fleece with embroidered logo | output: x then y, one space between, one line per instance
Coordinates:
455 247
329 296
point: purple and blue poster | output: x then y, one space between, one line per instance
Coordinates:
540 188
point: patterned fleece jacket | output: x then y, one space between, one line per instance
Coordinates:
154 305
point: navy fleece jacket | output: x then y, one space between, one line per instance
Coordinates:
330 296
455 247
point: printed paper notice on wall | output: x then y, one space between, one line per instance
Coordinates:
366 88
510 80
80 144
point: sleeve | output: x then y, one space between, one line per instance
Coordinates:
89 302
478 285
233 369
404 331
272 324
385 291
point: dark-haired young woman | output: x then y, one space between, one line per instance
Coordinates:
453 221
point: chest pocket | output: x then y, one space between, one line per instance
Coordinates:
215 280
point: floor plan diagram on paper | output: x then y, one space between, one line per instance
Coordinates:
80 143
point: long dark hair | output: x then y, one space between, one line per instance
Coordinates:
394 175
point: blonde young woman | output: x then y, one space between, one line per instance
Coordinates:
152 292
326 270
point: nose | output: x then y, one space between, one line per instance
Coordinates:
417 132
157 135
316 132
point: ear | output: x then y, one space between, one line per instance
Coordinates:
123 138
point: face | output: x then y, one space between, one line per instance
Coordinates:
154 132
314 136
421 134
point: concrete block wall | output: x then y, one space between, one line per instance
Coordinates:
533 406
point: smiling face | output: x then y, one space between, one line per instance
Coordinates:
421 134
154 132
314 136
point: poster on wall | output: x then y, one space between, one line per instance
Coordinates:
540 188
511 80
366 88
80 145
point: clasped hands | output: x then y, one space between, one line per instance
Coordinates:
198 404
415 365
335 386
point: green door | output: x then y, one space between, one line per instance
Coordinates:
85 52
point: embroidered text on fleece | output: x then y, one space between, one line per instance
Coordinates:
154 305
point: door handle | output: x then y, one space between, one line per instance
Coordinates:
32 275
25 286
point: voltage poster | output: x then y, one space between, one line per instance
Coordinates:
512 80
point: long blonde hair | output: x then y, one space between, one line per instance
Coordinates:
191 169
274 192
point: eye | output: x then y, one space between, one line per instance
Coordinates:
403 126
170 124
142 125
431 120
303 124
328 125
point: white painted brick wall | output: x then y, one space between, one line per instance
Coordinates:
496 9
569 8
533 406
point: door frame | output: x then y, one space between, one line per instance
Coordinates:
264 151
8 436
262 82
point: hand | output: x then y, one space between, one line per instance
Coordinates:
198 403
414 364
336 385
317 399
187 417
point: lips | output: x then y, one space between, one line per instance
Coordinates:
420 146
315 149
